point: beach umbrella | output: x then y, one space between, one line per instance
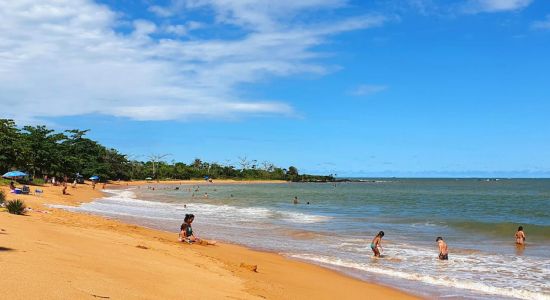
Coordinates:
14 174
148 178
95 177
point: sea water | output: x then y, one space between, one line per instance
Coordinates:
477 218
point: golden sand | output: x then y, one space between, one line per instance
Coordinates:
56 254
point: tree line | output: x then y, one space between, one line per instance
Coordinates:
40 151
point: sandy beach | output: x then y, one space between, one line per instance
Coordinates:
56 254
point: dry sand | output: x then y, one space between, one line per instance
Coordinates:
55 254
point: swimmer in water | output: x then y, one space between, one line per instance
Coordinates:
520 236
443 250
376 243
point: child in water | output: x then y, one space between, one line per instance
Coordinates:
520 236
376 242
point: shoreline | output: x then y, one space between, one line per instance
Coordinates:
94 256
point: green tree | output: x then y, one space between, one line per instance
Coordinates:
292 171
11 145
41 150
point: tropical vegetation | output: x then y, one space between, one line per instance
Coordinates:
41 151
16 207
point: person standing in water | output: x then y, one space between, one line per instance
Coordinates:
376 244
443 250
295 200
520 236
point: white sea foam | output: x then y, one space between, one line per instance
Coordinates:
414 275
126 203
297 217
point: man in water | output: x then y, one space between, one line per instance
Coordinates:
295 200
443 251
520 236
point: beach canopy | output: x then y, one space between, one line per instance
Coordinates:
14 174
148 178
95 177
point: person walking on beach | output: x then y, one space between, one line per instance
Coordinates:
376 244
520 236
443 250
65 188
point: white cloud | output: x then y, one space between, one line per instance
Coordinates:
182 29
544 24
477 6
368 90
64 57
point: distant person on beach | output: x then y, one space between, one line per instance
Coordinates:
12 185
93 185
443 250
186 232
295 200
520 236
376 244
205 195
65 188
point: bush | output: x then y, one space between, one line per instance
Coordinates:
37 181
16 207
2 197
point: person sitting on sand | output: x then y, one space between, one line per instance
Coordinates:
186 233
520 236
376 243
12 186
443 251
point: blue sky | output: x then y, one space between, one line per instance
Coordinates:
356 88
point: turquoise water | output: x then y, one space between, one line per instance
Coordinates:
477 218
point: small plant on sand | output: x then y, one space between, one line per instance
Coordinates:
16 207
2 197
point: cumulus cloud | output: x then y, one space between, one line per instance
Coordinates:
544 24
65 57
368 90
477 6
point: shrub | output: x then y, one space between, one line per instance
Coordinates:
38 181
16 207
2 197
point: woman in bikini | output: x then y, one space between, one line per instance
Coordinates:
376 242
520 236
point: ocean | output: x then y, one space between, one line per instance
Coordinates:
477 219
